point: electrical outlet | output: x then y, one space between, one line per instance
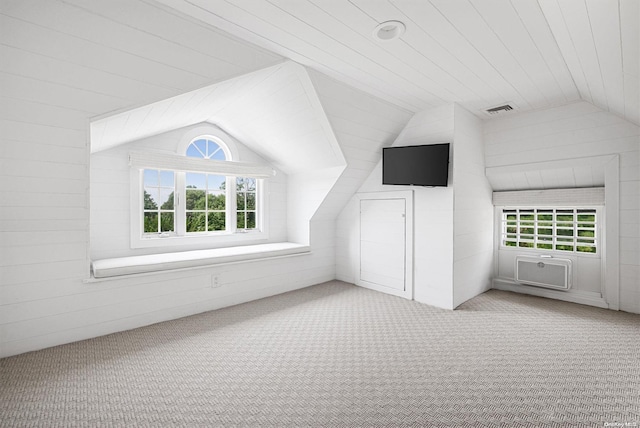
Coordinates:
215 281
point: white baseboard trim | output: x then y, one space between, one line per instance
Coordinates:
574 296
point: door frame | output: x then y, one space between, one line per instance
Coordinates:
407 196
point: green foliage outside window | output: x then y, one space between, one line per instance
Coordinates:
550 229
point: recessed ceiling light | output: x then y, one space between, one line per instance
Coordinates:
389 30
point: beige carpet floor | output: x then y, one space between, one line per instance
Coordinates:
336 355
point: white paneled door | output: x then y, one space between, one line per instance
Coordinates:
383 243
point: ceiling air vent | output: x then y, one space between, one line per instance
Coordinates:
499 110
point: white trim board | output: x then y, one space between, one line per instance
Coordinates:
576 296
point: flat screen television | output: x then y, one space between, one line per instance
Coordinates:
416 165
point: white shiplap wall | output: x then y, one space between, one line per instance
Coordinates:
433 221
62 65
472 210
362 124
577 131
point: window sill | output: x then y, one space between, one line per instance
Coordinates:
212 239
118 268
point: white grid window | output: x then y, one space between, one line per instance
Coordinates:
179 203
559 229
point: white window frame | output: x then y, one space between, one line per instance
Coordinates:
180 237
502 231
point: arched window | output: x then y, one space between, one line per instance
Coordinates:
192 198
207 148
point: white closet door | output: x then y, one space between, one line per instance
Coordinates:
383 242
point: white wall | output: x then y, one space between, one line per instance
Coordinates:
433 216
571 132
362 124
472 210
56 75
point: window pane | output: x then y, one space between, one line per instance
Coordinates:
564 232
586 233
586 240
527 230
510 243
217 221
240 184
193 152
586 249
196 222
586 217
240 223
564 247
542 231
511 217
150 222
241 201
201 145
195 199
150 197
526 244
565 225
216 182
166 222
564 217
214 151
219 155
251 184
196 181
216 201
544 246
166 199
150 177
251 220
251 201
166 179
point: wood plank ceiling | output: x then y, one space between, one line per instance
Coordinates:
479 53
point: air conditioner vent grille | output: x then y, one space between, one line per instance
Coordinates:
544 272
499 109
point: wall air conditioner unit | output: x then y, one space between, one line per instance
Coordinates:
545 272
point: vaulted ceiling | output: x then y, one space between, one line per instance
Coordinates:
480 53
274 111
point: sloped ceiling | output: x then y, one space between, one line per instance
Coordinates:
538 177
274 111
478 53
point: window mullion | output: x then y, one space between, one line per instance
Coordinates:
575 230
554 229
230 211
535 228
180 208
